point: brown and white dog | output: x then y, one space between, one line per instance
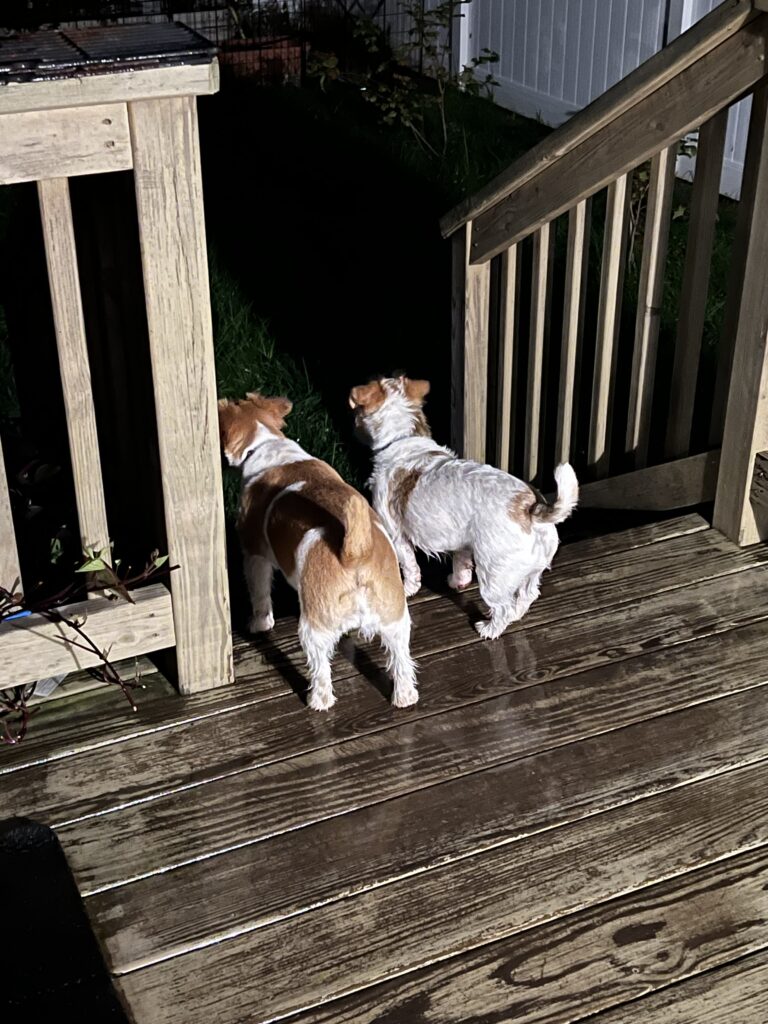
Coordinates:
299 516
428 498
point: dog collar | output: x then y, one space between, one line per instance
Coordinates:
405 437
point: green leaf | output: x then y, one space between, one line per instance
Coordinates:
93 565
160 560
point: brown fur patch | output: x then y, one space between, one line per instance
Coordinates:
239 421
329 589
416 390
400 490
368 397
520 508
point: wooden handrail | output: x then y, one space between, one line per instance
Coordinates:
723 22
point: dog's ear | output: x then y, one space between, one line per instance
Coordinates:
367 396
416 390
279 406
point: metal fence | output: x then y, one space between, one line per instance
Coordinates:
266 40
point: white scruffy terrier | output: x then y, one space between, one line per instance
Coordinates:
299 516
428 498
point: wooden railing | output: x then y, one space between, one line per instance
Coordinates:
543 372
109 119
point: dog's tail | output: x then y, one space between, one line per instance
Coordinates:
357 541
567 497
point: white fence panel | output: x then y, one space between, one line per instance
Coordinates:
684 14
556 56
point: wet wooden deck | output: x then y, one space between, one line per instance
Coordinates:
572 823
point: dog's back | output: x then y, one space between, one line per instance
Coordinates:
324 537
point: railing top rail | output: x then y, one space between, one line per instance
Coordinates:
665 65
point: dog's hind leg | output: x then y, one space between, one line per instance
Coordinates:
258 575
318 646
396 638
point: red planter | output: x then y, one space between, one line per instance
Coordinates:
275 60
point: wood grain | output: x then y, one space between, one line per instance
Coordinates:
723 22
10 573
254 884
746 420
508 313
218 807
694 290
608 323
89 90
649 302
64 143
577 264
74 365
90 723
667 114
34 648
469 385
734 994
592 960
172 230
540 295
680 484
412 922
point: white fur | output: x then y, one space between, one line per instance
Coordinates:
462 508
266 451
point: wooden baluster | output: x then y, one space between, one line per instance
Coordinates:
10 574
509 284
649 300
577 263
61 255
609 313
469 377
746 419
695 287
540 290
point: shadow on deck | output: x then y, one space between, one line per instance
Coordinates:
573 821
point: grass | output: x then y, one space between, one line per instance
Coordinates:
247 359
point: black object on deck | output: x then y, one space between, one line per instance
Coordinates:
53 967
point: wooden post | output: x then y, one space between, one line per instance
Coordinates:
609 313
746 420
61 255
169 198
649 300
9 556
695 288
510 280
469 376
577 262
540 291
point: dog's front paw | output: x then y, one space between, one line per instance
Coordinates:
488 630
412 585
405 695
320 700
261 623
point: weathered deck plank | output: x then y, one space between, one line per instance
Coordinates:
560 782
412 922
735 994
62 732
198 820
586 962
